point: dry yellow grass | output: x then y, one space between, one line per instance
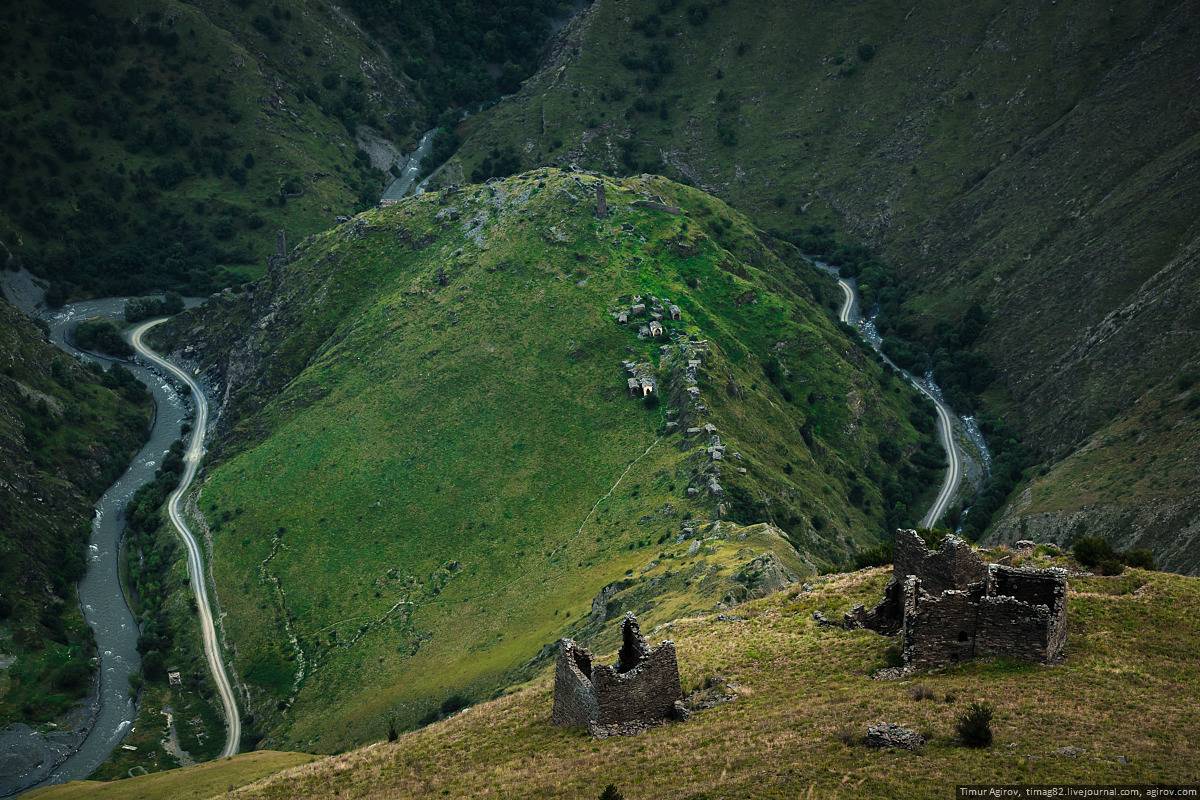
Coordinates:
194 783
1127 696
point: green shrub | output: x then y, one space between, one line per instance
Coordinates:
974 725
1095 552
611 793
1090 551
101 336
73 675
1140 558
877 556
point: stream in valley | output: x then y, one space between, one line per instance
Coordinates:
406 183
32 757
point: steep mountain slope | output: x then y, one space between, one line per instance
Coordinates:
158 137
430 463
148 143
1134 483
1038 158
1115 712
66 432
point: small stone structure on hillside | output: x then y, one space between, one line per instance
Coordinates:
949 606
640 691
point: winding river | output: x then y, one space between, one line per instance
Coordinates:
34 758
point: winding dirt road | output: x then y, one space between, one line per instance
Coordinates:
945 421
191 461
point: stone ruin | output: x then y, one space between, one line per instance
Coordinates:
949 606
639 691
641 381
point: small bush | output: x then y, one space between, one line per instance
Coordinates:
975 725
1140 558
611 793
393 734
1090 551
921 692
848 736
455 703
1111 566
878 556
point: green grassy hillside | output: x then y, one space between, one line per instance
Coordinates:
66 433
997 153
430 464
1117 711
212 779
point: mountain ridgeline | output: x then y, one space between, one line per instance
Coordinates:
430 464
1013 184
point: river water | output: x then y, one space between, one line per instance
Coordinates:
30 757
402 186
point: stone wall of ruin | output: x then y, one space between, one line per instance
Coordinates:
646 694
939 630
640 690
954 565
574 698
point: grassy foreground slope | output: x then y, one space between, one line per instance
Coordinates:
66 433
430 463
211 779
1040 159
1122 700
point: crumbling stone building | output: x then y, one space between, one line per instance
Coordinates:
639 691
949 606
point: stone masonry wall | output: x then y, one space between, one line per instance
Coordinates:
574 698
954 565
1024 614
645 694
1008 627
639 691
940 630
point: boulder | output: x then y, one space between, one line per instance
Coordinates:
889 734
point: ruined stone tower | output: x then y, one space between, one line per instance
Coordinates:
639 691
949 606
